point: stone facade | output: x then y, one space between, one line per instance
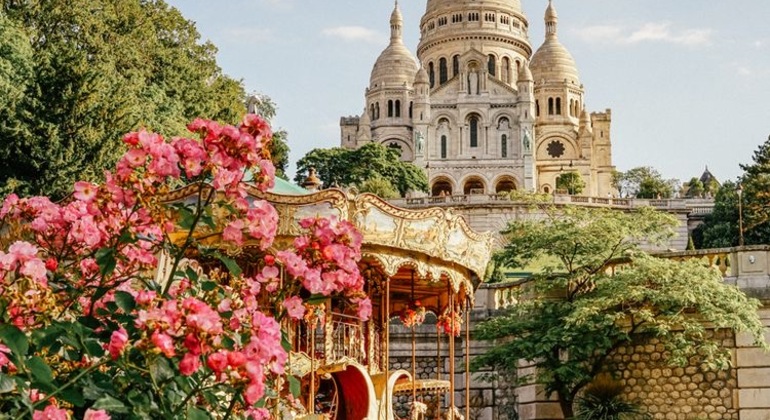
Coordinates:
478 110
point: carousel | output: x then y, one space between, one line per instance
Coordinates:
413 263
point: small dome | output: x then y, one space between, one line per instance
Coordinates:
395 66
421 76
525 75
552 62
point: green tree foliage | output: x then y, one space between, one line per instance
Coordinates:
380 187
83 72
571 182
644 182
756 196
720 228
279 147
345 168
579 312
695 187
603 400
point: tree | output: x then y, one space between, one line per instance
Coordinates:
644 182
351 167
279 147
695 187
720 228
571 182
579 312
756 196
380 187
90 71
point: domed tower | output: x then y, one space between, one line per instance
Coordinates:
473 52
389 96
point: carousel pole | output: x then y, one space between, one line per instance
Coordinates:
451 353
388 401
438 370
414 353
467 358
312 368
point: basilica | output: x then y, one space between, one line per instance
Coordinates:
478 110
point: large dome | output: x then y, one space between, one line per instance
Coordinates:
396 65
436 5
552 62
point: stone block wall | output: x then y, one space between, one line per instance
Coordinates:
676 393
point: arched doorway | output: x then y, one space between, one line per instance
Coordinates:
441 187
505 185
474 185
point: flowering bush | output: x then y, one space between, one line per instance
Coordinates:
413 314
89 327
450 322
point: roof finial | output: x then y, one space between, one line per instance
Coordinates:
551 19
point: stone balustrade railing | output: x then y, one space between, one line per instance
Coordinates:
747 267
698 206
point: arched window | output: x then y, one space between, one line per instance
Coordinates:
504 146
398 108
492 65
442 71
390 108
558 106
371 112
506 70
410 109
537 108
473 122
550 106
377 111
455 65
443 147
431 74
571 107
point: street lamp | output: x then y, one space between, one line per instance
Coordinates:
739 190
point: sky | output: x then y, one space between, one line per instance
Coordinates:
688 81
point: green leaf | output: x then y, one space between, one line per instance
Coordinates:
110 404
285 341
316 299
125 301
191 274
105 259
294 386
208 286
40 370
230 263
15 340
73 396
186 218
160 370
7 384
194 413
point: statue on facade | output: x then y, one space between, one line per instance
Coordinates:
473 82
526 140
418 140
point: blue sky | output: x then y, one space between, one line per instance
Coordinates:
688 81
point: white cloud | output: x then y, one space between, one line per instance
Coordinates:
283 5
354 33
649 32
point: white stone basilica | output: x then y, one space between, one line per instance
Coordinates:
480 113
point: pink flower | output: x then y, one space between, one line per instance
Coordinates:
118 342
51 413
217 362
236 359
85 191
294 307
35 269
234 232
254 392
364 308
22 251
190 364
51 264
164 343
4 360
257 413
96 415
135 157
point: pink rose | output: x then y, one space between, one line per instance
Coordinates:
85 191
164 343
364 309
118 342
96 415
217 362
190 364
294 307
51 413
